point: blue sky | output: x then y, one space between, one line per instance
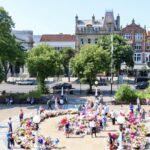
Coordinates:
57 16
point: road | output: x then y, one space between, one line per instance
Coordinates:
12 88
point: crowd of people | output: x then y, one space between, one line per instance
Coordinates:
93 117
90 118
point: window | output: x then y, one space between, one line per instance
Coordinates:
138 46
89 41
148 46
147 57
96 29
109 29
137 57
82 29
138 36
82 41
127 36
96 41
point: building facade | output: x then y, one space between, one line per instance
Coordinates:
25 37
58 41
139 39
89 31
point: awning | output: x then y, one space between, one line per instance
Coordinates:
136 67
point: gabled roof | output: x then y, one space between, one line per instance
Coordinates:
57 37
133 27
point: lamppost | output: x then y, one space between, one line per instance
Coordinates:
80 73
36 120
112 49
96 93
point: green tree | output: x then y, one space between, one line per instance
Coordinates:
66 55
10 50
43 61
89 62
122 51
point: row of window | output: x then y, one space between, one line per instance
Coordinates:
138 58
138 46
138 36
89 41
89 29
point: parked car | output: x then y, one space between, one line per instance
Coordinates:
26 82
102 82
64 85
142 85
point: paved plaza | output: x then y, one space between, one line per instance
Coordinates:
49 128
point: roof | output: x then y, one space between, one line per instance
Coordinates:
89 22
133 27
148 33
57 37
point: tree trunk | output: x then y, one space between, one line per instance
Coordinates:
6 69
42 87
90 87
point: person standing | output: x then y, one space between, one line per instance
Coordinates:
67 129
93 128
11 100
56 103
12 141
113 117
131 107
138 104
21 114
104 122
9 140
10 125
143 113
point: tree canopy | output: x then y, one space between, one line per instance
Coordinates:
43 61
90 61
122 52
11 52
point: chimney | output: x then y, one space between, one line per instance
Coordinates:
93 19
118 22
76 19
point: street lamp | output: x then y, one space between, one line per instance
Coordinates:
96 93
112 49
36 120
80 73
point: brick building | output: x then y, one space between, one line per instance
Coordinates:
139 39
